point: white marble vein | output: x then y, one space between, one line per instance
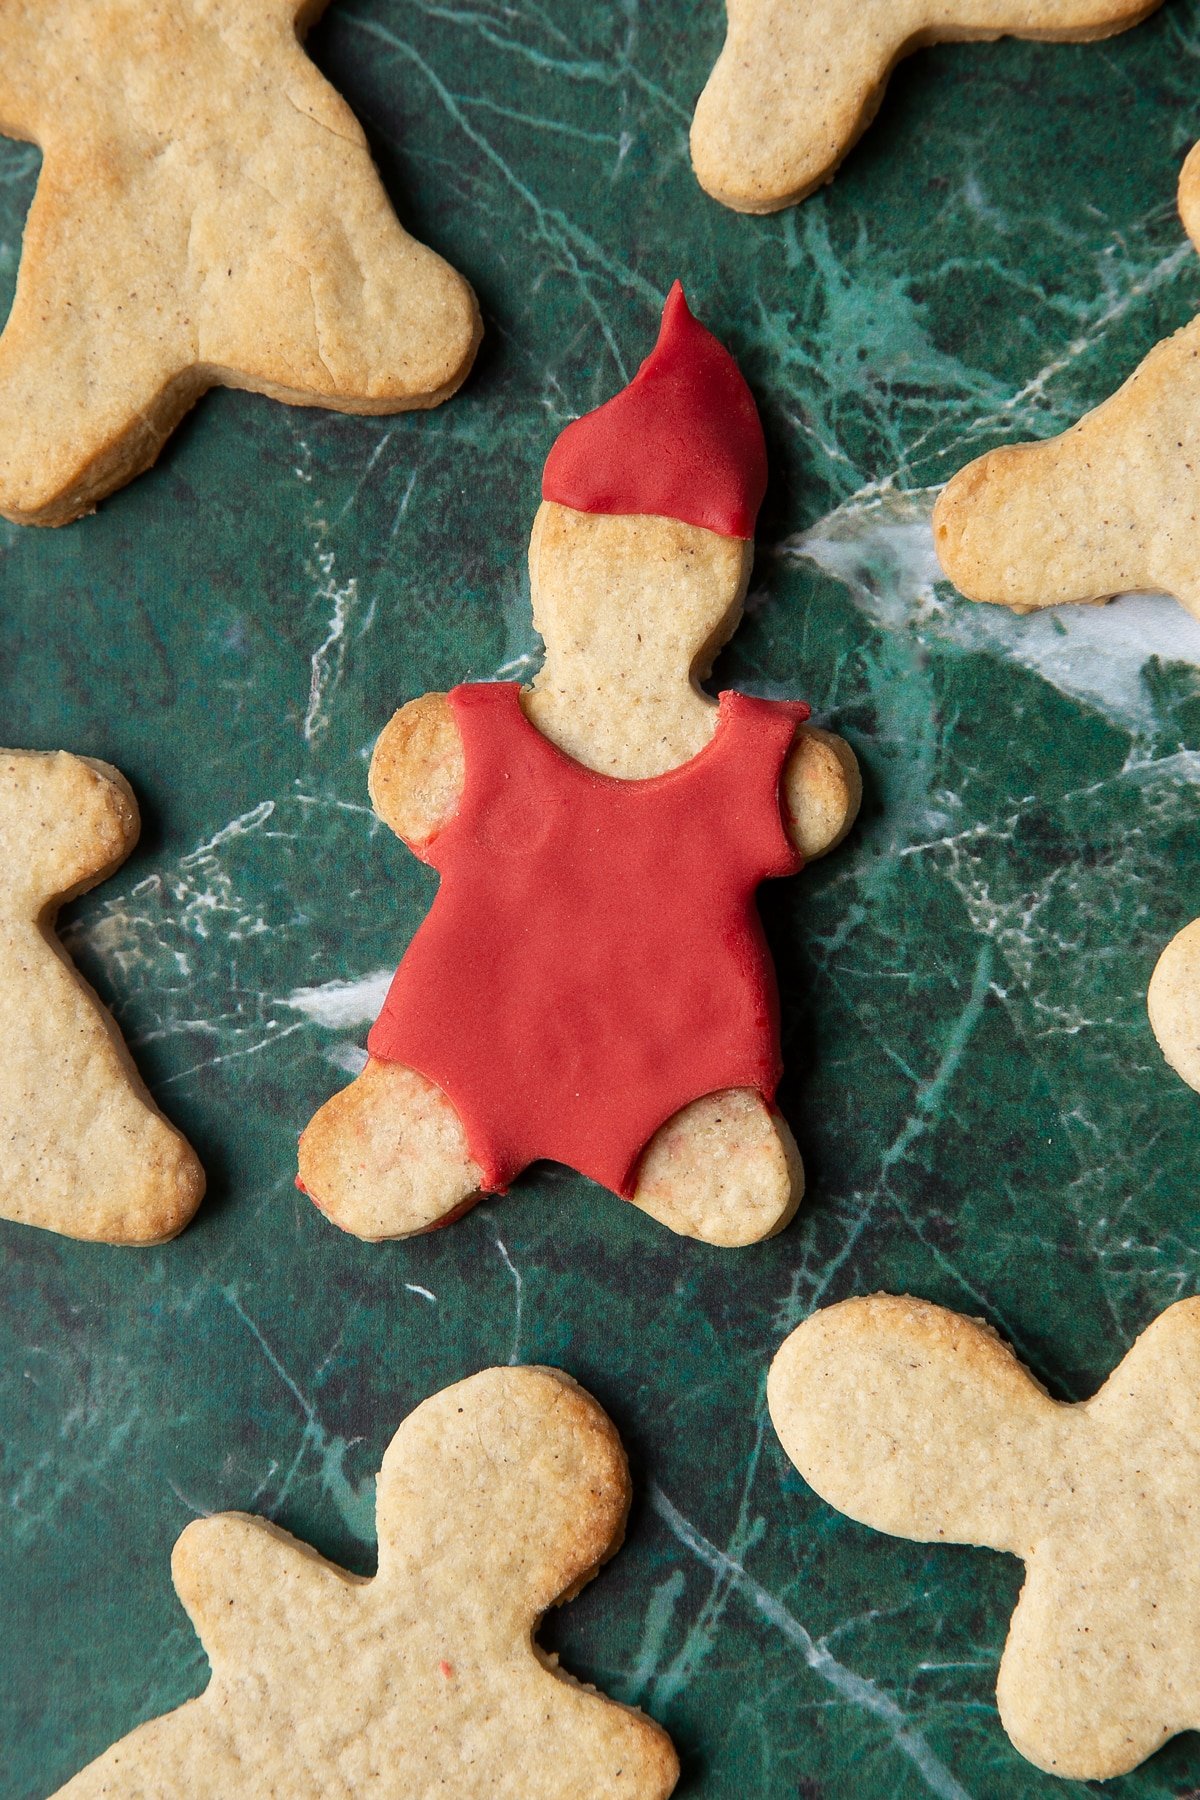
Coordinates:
880 545
854 1689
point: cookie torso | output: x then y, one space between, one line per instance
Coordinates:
593 961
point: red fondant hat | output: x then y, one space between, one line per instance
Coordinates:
682 440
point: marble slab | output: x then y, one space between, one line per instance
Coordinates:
984 1115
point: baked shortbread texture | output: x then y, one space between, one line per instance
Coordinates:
1108 507
799 81
83 1149
207 214
1173 1002
497 1498
921 1423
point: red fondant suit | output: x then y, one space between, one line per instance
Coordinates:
593 960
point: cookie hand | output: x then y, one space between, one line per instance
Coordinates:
822 791
417 770
66 822
245 1583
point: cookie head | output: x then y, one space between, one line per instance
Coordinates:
537 1473
646 598
642 547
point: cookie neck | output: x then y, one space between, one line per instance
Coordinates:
619 725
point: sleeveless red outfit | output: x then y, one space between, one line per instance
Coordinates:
593 960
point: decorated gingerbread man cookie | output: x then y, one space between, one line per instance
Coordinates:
921 1423
592 984
498 1498
799 81
1107 507
85 1151
208 213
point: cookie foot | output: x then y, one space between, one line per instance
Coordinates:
725 1169
388 1156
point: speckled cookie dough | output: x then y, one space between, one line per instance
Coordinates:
498 1498
85 1152
799 81
208 214
1173 1002
1108 507
919 1422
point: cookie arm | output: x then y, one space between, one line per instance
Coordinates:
790 93
1159 1374
795 86
822 791
418 770
917 1422
243 1581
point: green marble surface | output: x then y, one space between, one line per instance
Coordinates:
984 1115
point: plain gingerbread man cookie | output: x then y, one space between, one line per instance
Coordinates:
799 81
921 1423
85 1151
1108 507
592 984
207 214
498 1498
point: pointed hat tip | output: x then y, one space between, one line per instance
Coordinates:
683 440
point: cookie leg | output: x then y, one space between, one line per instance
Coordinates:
796 85
782 106
96 364
388 1156
725 1169
86 1151
1067 1702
